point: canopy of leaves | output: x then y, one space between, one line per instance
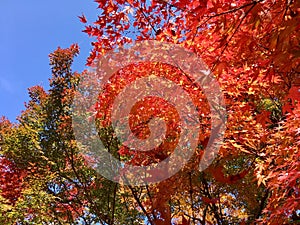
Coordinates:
252 47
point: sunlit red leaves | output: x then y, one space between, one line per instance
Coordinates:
280 171
139 118
11 180
82 19
151 107
238 40
68 204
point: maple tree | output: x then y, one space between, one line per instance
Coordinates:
252 48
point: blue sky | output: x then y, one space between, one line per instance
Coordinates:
30 30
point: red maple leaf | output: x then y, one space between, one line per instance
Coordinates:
82 19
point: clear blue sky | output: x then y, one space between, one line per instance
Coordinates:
30 30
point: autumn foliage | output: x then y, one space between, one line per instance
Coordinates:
252 48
